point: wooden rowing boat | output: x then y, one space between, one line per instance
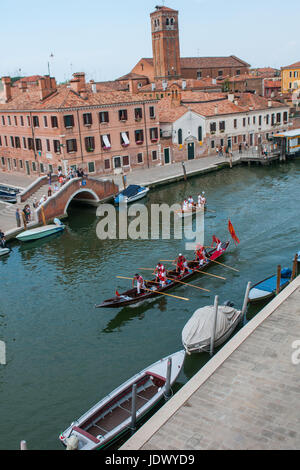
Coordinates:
190 211
112 416
131 296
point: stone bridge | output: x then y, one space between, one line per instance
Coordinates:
87 190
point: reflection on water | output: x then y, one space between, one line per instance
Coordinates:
64 355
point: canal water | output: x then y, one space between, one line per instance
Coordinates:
63 354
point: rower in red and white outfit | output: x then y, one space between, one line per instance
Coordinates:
162 275
216 241
139 283
200 255
159 267
179 262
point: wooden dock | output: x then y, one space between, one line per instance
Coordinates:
261 159
245 397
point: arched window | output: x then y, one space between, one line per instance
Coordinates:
179 136
167 21
172 21
200 133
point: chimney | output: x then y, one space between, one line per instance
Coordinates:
269 104
230 97
7 88
47 86
78 82
216 109
23 86
183 84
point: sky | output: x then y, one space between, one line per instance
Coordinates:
105 39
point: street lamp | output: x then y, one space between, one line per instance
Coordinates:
51 57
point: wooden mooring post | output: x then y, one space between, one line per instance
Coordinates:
295 264
133 409
278 279
184 171
213 333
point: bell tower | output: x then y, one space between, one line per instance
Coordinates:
165 43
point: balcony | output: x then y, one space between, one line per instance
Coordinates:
139 142
104 147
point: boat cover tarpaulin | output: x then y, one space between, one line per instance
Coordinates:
199 327
131 190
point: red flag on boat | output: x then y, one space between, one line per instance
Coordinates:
232 232
117 294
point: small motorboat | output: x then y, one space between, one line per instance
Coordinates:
111 417
41 232
4 251
130 194
197 333
266 289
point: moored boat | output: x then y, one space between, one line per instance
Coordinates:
153 288
111 417
4 251
132 193
8 194
197 332
266 288
41 232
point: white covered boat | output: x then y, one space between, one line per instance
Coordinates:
197 333
41 232
4 251
111 416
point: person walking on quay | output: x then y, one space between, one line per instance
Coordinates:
240 148
1 234
18 217
49 191
217 151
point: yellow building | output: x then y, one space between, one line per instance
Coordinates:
290 77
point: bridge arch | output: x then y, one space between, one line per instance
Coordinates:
90 197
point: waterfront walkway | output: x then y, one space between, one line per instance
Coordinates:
164 174
149 177
246 397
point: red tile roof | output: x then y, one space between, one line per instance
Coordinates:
296 65
65 97
207 62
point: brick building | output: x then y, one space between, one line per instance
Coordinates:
46 126
166 62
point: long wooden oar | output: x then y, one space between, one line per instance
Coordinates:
225 265
176 280
154 291
187 284
218 262
209 274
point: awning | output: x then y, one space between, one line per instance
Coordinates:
106 140
125 138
